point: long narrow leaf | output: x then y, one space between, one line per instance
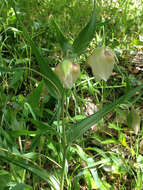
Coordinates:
80 128
86 35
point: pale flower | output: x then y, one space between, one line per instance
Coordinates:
102 63
68 72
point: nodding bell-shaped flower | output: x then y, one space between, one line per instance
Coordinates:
68 72
102 62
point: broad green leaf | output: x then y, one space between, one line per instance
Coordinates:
86 35
81 127
64 42
18 160
52 82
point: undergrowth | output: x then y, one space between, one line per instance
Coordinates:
86 137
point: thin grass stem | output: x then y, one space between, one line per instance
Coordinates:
64 143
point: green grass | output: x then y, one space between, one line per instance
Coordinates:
87 137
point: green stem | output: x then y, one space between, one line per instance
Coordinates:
64 143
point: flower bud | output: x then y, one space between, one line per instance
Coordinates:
102 62
68 72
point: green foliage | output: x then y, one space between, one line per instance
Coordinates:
87 137
85 124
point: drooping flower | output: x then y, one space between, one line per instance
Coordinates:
68 72
102 63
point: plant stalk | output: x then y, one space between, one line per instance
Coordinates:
64 143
